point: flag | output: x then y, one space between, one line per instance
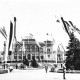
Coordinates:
74 28
3 32
14 18
10 38
66 26
8 42
11 33
38 43
30 35
71 23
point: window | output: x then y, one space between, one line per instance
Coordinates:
20 56
29 57
48 50
15 56
48 55
41 57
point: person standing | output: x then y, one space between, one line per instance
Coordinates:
16 66
64 71
10 68
46 68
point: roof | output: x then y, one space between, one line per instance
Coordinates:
41 44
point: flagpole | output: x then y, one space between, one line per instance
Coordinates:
6 51
8 42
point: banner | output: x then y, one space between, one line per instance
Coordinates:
8 42
10 34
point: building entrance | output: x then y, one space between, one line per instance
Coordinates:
29 57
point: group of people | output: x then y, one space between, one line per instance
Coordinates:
8 67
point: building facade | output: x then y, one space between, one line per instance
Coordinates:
30 49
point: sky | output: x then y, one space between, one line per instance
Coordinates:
39 17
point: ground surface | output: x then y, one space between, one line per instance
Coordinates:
37 74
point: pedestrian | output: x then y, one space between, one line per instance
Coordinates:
10 69
16 66
22 66
4 66
64 71
46 68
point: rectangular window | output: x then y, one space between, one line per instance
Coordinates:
20 56
48 50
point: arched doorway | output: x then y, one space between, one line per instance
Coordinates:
29 57
33 57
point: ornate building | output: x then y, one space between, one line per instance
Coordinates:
29 48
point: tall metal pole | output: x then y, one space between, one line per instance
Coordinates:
6 51
64 68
